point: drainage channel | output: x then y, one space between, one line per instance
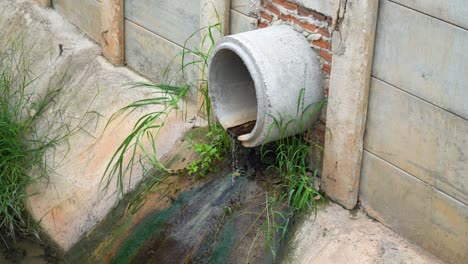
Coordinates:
216 219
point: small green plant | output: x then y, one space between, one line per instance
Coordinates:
210 152
22 146
277 221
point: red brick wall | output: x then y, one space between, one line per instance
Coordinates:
314 26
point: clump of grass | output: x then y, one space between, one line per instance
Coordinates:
297 193
292 155
22 148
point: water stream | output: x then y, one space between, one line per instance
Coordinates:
235 147
240 154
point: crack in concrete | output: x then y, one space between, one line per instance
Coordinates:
339 14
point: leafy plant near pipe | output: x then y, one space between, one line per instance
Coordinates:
292 155
169 96
297 191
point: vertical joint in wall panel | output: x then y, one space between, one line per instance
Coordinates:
112 32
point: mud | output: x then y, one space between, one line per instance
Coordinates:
26 251
243 129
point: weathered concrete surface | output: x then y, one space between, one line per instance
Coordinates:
151 55
340 236
69 202
44 3
423 55
112 22
353 45
85 14
429 143
326 7
247 7
414 209
454 11
415 170
174 20
259 76
159 30
211 14
241 23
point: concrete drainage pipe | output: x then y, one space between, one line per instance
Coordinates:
256 77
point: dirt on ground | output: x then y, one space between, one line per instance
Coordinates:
26 251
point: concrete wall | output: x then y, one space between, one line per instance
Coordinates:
244 15
156 31
415 168
85 14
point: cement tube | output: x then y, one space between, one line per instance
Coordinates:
256 77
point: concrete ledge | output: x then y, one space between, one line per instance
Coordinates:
340 236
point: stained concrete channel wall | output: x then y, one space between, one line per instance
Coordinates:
415 167
68 203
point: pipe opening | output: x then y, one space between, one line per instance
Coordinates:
257 76
235 91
